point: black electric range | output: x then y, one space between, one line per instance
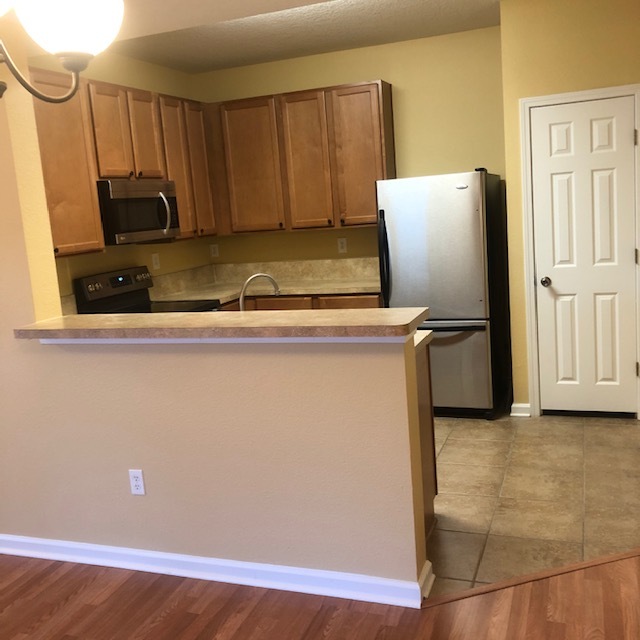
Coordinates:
127 291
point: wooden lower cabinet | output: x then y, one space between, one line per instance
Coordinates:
275 303
68 165
347 302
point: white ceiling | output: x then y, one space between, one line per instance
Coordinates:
196 36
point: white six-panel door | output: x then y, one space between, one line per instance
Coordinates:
583 184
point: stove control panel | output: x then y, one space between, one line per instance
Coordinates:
112 283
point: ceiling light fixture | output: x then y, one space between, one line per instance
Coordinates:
73 30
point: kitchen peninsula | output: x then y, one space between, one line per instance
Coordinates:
288 449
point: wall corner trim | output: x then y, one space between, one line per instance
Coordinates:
403 593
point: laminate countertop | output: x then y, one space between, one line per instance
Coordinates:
328 324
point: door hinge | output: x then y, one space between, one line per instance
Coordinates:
635 137
637 369
636 256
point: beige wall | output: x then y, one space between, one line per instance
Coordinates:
243 459
447 105
548 46
240 461
447 90
555 46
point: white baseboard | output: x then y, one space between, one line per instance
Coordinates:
521 410
403 593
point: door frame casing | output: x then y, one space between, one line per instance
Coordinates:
526 105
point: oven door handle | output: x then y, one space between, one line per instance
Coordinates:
167 209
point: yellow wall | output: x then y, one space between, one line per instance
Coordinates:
238 465
548 47
447 106
447 90
21 141
447 94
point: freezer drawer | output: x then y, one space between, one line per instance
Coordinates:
461 368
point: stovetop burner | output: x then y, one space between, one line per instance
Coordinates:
127 291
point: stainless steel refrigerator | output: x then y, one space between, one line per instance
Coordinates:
443 245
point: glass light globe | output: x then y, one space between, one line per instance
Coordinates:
71 26
5 5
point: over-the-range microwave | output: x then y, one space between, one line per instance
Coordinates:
138 210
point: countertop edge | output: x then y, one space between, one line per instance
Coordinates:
229 326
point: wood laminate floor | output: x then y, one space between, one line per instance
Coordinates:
48 600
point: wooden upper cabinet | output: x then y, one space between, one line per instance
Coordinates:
252 157
307 176
146 134
126 124
199 162
176 149
361 147
68 165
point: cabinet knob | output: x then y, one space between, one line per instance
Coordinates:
280 224
56 250
342 221
329 221
131 174
139 174
201 232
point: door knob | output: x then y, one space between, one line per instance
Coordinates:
546 281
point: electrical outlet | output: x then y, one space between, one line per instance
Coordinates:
342 245
136 480
155 261
213 251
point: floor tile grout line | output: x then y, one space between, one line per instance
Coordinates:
497 504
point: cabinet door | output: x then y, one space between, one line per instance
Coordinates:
146 134
253 164
204 211
355 136
306 151
68 166
176 150
361 301
280 303
111 129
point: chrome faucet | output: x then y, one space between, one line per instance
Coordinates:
276 288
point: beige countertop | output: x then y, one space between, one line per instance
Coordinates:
353 324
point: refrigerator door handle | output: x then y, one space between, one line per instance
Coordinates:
385 263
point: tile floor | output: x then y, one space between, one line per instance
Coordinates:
518 495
